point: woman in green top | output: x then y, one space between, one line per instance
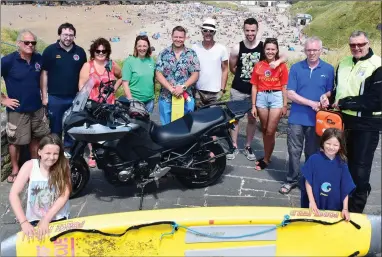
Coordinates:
138 73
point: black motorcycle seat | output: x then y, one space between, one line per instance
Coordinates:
187 129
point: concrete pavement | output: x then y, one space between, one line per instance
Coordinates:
240 185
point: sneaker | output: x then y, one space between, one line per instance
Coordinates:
232 155
92 163
249 153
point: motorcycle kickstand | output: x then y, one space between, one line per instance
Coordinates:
142 195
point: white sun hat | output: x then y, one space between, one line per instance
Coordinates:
209 23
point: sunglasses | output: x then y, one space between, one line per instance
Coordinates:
101 51
359 45
208 30
27 43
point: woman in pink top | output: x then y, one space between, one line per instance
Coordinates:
100 51
95 68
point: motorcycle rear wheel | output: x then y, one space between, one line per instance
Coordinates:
214 170
80 175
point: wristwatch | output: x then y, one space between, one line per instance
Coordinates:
184 87
223 90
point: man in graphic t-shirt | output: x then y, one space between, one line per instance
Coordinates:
243 58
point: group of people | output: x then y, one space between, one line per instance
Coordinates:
337 166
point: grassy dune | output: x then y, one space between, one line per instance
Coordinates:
334 21
10 36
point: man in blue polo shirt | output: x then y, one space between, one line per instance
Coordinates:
308 80
62 62
26 120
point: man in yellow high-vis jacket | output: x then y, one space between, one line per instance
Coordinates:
358 95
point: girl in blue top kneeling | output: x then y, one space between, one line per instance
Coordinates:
327 182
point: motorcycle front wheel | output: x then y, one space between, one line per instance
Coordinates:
80 175
212 171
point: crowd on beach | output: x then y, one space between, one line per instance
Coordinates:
335 176
125 22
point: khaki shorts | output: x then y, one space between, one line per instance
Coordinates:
22 127
203 98
239 96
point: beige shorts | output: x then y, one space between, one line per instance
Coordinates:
203 98
239 96
22 127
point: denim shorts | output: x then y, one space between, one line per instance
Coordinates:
269 100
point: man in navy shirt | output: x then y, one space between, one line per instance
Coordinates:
26 120
62 62
308 80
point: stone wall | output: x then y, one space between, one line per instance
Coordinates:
6 167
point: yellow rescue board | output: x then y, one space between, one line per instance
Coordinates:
177 108
227 232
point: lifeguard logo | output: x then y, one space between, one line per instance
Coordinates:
37 66
326 187
267 73
76 57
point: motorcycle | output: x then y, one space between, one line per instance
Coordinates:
129 147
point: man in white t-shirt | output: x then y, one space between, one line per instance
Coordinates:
213 58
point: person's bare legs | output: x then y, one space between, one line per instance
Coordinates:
14 153
235 133
263 116
251 129
91 162
269 121
33 148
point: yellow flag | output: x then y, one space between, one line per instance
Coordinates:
177 108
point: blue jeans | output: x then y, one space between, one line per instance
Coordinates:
149 105
165 109
57 105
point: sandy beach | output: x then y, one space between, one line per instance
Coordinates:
127 21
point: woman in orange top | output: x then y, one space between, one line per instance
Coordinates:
269 97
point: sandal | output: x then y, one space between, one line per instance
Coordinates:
261 159
262 164
287 187
13 176
92 163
